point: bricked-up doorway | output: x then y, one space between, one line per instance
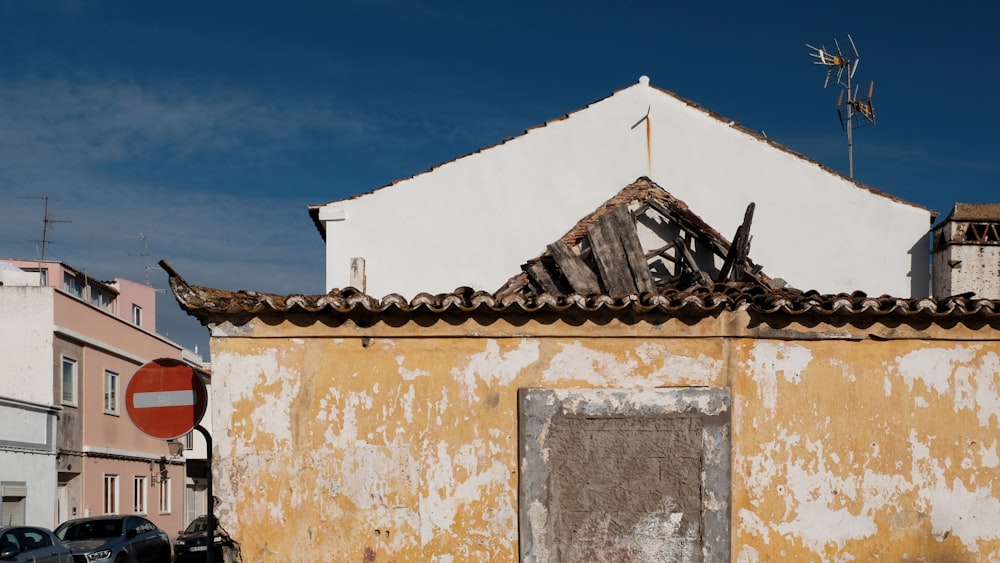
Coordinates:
624 475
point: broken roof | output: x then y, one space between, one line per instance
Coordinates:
694 288
604 253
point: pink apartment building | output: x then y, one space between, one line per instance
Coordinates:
70 344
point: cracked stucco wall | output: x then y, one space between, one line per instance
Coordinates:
398 443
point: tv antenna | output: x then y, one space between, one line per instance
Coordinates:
145 254
46 223
855 112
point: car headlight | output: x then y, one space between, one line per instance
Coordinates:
178 542
218 539
98 555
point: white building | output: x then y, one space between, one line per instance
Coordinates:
28 406
813 227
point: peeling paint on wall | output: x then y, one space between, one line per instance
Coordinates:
839 465
406 448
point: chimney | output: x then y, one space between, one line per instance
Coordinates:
966 252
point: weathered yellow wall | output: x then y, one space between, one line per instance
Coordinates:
866 451
400 443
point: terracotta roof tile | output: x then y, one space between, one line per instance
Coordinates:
212 305
974 212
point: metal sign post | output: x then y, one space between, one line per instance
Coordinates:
211 499
166 399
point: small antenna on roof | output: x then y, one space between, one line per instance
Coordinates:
856 112
46 224
145 254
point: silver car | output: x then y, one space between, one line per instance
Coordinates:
115 539
32 544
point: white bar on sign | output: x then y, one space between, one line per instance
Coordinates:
163 399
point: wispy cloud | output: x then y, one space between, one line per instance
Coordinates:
66 123
89 147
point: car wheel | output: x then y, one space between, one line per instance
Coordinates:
121 558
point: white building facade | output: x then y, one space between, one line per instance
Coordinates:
28 407
814 228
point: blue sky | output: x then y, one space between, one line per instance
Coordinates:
211 126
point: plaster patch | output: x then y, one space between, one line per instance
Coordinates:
261 374
768 359
748 555
988 456
751 523
445 493
407 401
932 366
576 362
494 367
811 490
969 514
817 525
976 388
408 374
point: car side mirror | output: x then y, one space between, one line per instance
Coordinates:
8 551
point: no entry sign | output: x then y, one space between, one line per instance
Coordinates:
166 398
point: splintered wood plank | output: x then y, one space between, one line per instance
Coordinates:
665 211
660 251
684 225
580 277
625 226
541 276
725 273
612 264
707 281
734 266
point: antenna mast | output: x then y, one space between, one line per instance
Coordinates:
46 221
856 112
145 254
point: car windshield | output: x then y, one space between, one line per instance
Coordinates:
92 529
198 525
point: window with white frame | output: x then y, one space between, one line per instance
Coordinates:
136 315
165 495
139 494
68 381
189 441
110 494
110 392
72 285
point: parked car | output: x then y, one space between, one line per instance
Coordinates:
115 539
191 543
32 544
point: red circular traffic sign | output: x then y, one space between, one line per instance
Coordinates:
166 398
